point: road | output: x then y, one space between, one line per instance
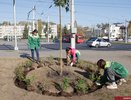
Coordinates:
117 52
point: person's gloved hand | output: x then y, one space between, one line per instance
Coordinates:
97 73
98 84
71 64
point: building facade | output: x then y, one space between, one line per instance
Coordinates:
52 31
9 31
116 31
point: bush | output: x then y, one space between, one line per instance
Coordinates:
21 76
81 86
65 84
28 64
19 72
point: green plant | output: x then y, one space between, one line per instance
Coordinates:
28 64
94 77
29 80
20 75
62 86
65 84
40 87
81 86
19 72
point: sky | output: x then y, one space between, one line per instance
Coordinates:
87 12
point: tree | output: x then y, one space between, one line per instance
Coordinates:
6 23
65 30
81 30
40 27
61 4
102 27
22 23
129 28
58 29
25 33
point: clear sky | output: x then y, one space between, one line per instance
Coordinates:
87 12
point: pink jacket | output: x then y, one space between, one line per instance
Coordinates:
73 53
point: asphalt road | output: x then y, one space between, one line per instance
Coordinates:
117 52
22 45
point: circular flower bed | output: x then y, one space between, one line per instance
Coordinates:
44 78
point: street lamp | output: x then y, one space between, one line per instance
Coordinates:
14 11
73 28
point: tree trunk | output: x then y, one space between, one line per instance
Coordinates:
61 68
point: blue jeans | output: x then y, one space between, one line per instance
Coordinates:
37 54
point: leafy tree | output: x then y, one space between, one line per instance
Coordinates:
58 30
25 33
81 30
40 27
22 23
102 27
129 28
61 4
65 30
6 23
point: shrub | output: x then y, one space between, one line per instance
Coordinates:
19 72
65 84
28 64
81 86
40 87
29 80
21 76
94 77
62 86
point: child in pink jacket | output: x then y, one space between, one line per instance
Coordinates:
72 55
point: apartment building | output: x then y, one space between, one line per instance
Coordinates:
117 31
9 31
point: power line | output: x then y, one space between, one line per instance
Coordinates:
105 3
103 6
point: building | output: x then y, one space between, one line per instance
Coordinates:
116 31
9 31
52 31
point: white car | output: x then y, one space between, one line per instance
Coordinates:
98 42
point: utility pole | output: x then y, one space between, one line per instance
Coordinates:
48 29
109 33
33 21
14 11
73 29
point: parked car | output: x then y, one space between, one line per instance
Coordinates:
97 42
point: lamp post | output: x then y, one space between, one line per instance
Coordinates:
73 28
48 29
14 11
33 21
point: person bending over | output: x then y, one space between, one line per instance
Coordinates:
113 71
72 55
